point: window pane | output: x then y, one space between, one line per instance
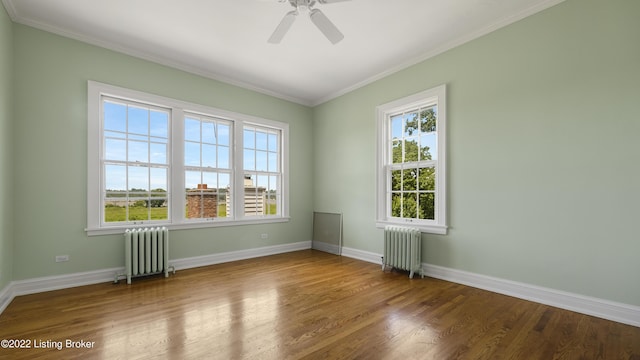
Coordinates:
192 179
273 142
262 182
158 178
224 180
159 124
223 157
249 160
192 129
159 212
273 199
115 211
191 154
273 162
194 204
273 183
396 180
271 204
249 139
411 150
409 205
223 134
250 195
427 206
204 197
225 197
138 178
261 140
115 177
208 132
158 202
261 160
139 210
138 151
158 153
428 119
115 149
428 149
396 152
210 179
396 204
208 155
409 179
396 127
410 124
138 120
427 179
115 116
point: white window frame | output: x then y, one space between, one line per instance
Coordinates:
434 96
177 219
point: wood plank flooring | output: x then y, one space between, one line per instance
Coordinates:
302 305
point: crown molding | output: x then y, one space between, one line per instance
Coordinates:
441 49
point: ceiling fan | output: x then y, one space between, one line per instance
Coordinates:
318 18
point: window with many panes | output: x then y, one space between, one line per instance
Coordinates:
411 158
155 160
207 163
261 151
135 161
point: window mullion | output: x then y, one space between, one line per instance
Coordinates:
177 172
238 170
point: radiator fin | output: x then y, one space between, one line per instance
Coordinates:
403 249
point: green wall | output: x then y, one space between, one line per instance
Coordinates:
6 159
543 140
50 148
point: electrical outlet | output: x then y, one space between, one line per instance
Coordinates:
62 258
264 236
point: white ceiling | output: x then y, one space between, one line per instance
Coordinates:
227 39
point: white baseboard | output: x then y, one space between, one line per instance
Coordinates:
192 262
326 247
57 282
610 310
48 283
5 297
362 255
619 312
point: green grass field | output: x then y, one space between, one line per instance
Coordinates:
118 213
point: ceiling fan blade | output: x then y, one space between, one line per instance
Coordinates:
331 1
283 27
326 26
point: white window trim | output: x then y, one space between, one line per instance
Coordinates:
96 90
434 95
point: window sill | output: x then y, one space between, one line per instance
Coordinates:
186 225
429 229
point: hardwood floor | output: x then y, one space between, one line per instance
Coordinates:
305 304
